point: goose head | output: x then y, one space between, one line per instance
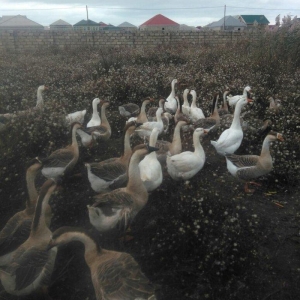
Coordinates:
274 136
198 132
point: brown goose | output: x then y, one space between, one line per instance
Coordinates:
151 113
174 147
213 120
224 109
115 275
112 173
17 228
248 167
32 265
63 160
101 132
142 116
119 207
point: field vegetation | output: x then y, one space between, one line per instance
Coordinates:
203 240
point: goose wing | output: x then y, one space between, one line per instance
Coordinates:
14 234
59 158
122 278
108 171
28 266
243 161
117 198
184 161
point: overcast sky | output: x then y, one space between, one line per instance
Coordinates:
136 12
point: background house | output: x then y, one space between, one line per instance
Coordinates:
19 22
160 22
127 26
86 25
253 20
61 25
230 23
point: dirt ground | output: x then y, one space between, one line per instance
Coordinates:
205 239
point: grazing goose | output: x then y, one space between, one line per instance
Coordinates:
119 207
32 265
186 109
151 113
171 103
171 148
185 165
150 168
142 116
233 100
129 110
101 133
196 113
112 173
115 275
231 138
61 161
146 128
95 120
248 167
17 229
213 120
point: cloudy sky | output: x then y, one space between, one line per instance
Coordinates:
136 12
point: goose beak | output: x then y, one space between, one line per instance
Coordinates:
138 124
152 149
249 100
50 245
280 137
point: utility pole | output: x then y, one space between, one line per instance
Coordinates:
87 14
224 16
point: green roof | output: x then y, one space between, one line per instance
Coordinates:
86 23
260 19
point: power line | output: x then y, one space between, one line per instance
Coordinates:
161 9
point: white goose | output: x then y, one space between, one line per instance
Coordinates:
231 138
196 113
101 132
248 167
171 103
95 120
186 108
75 117
233 100
150 168
185 165
146 128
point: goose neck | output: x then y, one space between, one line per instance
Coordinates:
265 150
30 181
40 100
40 221
134 178
127 147
197 145
236 122
176 141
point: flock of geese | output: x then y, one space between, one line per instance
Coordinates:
28 248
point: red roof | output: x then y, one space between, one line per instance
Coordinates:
102 24
159 20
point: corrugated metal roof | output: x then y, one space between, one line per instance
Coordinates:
260 19
159 20
18 21
86 23
60 22
229 21
127 24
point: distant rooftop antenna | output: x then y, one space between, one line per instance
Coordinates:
224 15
